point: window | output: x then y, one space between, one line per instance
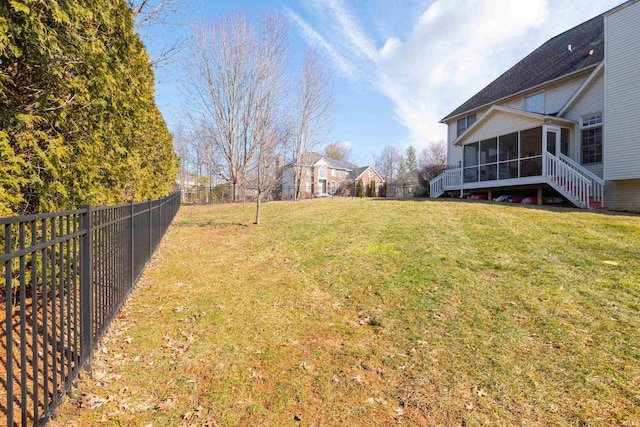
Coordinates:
322 173
370 174
591 138
333 172
341 173
534 103
308 186
465 123
309 171
333 187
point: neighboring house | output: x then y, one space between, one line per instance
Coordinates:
563 120
323 176
405 185
368 175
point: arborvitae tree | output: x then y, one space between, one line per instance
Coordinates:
383 189
360 188
78 121
373 189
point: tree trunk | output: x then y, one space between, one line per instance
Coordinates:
258 209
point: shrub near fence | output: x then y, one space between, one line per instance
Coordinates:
66 275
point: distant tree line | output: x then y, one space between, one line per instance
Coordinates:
78 119
397 167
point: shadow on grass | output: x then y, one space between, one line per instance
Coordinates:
211 223
559 209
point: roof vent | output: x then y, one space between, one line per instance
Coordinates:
569 47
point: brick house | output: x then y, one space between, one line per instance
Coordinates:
323 176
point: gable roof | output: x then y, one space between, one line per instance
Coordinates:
357 172
313 158
549 62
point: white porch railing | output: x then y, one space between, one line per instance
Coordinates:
571 183
597 183
579 185
436 186
450 179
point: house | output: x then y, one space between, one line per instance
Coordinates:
561 121
323 176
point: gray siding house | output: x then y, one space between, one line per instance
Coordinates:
563 120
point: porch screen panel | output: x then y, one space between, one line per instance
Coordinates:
471 162
489 159
531 152
507 156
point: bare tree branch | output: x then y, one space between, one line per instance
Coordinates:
313 108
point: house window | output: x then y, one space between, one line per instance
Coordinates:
341 173
370 174
333 187
308 186
322 174
591 138
309 171
534 103
465 122
333 172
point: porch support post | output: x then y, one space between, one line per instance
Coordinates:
490 195
539 196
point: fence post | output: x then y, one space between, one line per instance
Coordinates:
133 256
150 231
86 289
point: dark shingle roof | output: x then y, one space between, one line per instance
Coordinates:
312 158
550 61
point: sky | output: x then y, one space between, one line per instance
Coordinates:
397 67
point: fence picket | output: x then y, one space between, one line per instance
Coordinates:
78 267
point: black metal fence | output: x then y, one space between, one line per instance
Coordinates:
66 275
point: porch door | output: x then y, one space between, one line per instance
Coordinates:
553 141
322 186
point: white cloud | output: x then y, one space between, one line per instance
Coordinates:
455 48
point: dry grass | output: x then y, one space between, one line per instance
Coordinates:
372 312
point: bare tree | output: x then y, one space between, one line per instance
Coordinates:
154 17
338 151
434 154
231 85
388 162
433 161
314 105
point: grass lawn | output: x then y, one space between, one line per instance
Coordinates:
372 312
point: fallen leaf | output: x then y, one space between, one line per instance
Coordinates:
399 411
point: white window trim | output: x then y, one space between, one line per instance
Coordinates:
582 127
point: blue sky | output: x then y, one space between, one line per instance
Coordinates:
397 66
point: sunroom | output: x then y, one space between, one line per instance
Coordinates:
516 149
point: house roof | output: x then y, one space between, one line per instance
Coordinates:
355 173
313 158
550 61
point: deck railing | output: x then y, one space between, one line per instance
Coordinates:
568 177
597 183
568 181
66 275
